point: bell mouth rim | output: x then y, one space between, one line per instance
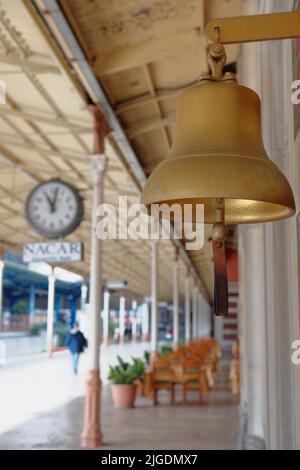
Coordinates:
234 213
263 157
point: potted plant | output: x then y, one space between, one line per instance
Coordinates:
123 377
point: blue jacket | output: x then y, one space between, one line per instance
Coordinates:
76 342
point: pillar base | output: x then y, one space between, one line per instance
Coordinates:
121 339
175 346
134 338
254 443
91 436
50 347
105 340
145 337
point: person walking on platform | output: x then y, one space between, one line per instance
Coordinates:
76 343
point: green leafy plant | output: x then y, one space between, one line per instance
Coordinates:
165 350
59 329
126 372
147 357
20 307
36 330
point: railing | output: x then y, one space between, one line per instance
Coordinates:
15 323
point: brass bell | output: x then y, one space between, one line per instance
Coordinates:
218 159
218 153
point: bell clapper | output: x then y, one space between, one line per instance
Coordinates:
219 232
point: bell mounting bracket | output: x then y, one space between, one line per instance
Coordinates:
238 29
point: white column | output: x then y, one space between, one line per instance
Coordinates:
269 69
202 315
187 309
209 319
122 313
194 313
134 321
99 165
84 290
154 297
255 340
145 321
50 311
91 435
105 318
198 328
176 303
1 291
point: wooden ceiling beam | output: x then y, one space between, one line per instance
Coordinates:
33 66
148 125
59 153
42 118
157 106
147 100
11 159
151 51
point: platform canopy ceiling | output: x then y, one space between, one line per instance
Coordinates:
143 54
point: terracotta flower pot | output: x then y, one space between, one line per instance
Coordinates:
123 395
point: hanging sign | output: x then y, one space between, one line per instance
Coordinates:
53 252
117 284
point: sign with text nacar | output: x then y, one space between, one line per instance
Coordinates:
53 252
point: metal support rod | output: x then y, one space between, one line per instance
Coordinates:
238 29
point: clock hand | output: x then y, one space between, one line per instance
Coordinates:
49 201
54 199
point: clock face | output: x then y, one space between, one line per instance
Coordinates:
54 209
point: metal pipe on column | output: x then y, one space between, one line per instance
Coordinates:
50 311
91 435
187 309
176 302
105 318
154 298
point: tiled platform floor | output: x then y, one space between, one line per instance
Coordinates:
212 426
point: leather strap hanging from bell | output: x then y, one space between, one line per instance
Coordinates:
219 233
